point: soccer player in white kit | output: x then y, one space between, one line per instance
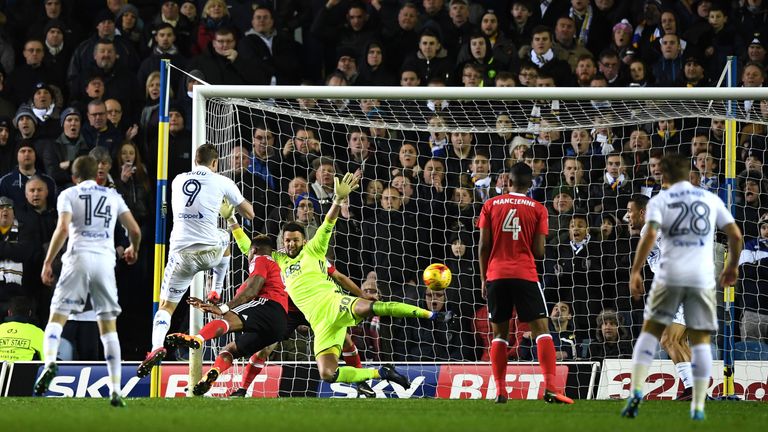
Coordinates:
88 214
196 243
687 217
674 340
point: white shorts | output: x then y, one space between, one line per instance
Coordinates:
82 274
183 265
679 317
665 302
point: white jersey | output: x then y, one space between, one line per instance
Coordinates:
196 197
94 210
655 255
688 217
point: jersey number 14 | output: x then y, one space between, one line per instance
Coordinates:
100 211
512 224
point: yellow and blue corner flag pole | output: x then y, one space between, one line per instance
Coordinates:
730 183
160 203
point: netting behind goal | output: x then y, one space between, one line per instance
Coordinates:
428 165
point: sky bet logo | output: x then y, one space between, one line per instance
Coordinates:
93 381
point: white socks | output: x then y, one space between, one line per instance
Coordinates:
160 326
51 341
684 373
219 274
112 355
701 366
642 357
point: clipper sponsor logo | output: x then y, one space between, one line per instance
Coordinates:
95 235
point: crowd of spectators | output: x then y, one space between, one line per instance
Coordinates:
80 77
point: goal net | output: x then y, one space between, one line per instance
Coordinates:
430 157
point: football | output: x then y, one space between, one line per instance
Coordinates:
437 277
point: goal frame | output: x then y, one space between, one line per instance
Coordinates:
201 93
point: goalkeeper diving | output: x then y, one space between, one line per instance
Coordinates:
328 311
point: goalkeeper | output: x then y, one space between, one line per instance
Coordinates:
329 313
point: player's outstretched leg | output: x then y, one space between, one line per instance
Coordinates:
331 372
402 310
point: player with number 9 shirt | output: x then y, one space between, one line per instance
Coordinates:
513 231
196 244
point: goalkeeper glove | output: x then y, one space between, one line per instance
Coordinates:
227 210
342 188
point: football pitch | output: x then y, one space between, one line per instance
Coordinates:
365 415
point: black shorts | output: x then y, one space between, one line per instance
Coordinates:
506 294
295 319
264 323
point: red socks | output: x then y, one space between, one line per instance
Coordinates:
499 365
252 370
547 360
223 361
352 358
214 329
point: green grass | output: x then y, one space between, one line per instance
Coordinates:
365 415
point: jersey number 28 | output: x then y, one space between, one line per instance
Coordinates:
698 222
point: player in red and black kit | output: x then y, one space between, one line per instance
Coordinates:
296 319
258 310
513 230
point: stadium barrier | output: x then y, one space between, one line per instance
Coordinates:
750 382
300 379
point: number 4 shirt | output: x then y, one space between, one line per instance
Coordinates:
196 198
687 217
514 219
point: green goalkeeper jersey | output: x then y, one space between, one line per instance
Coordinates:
306 275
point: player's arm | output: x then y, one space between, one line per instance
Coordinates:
134 236
484 252
345 282
643 249
539 245
731 268
227 211
341 191
253 286
58 238
245 208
